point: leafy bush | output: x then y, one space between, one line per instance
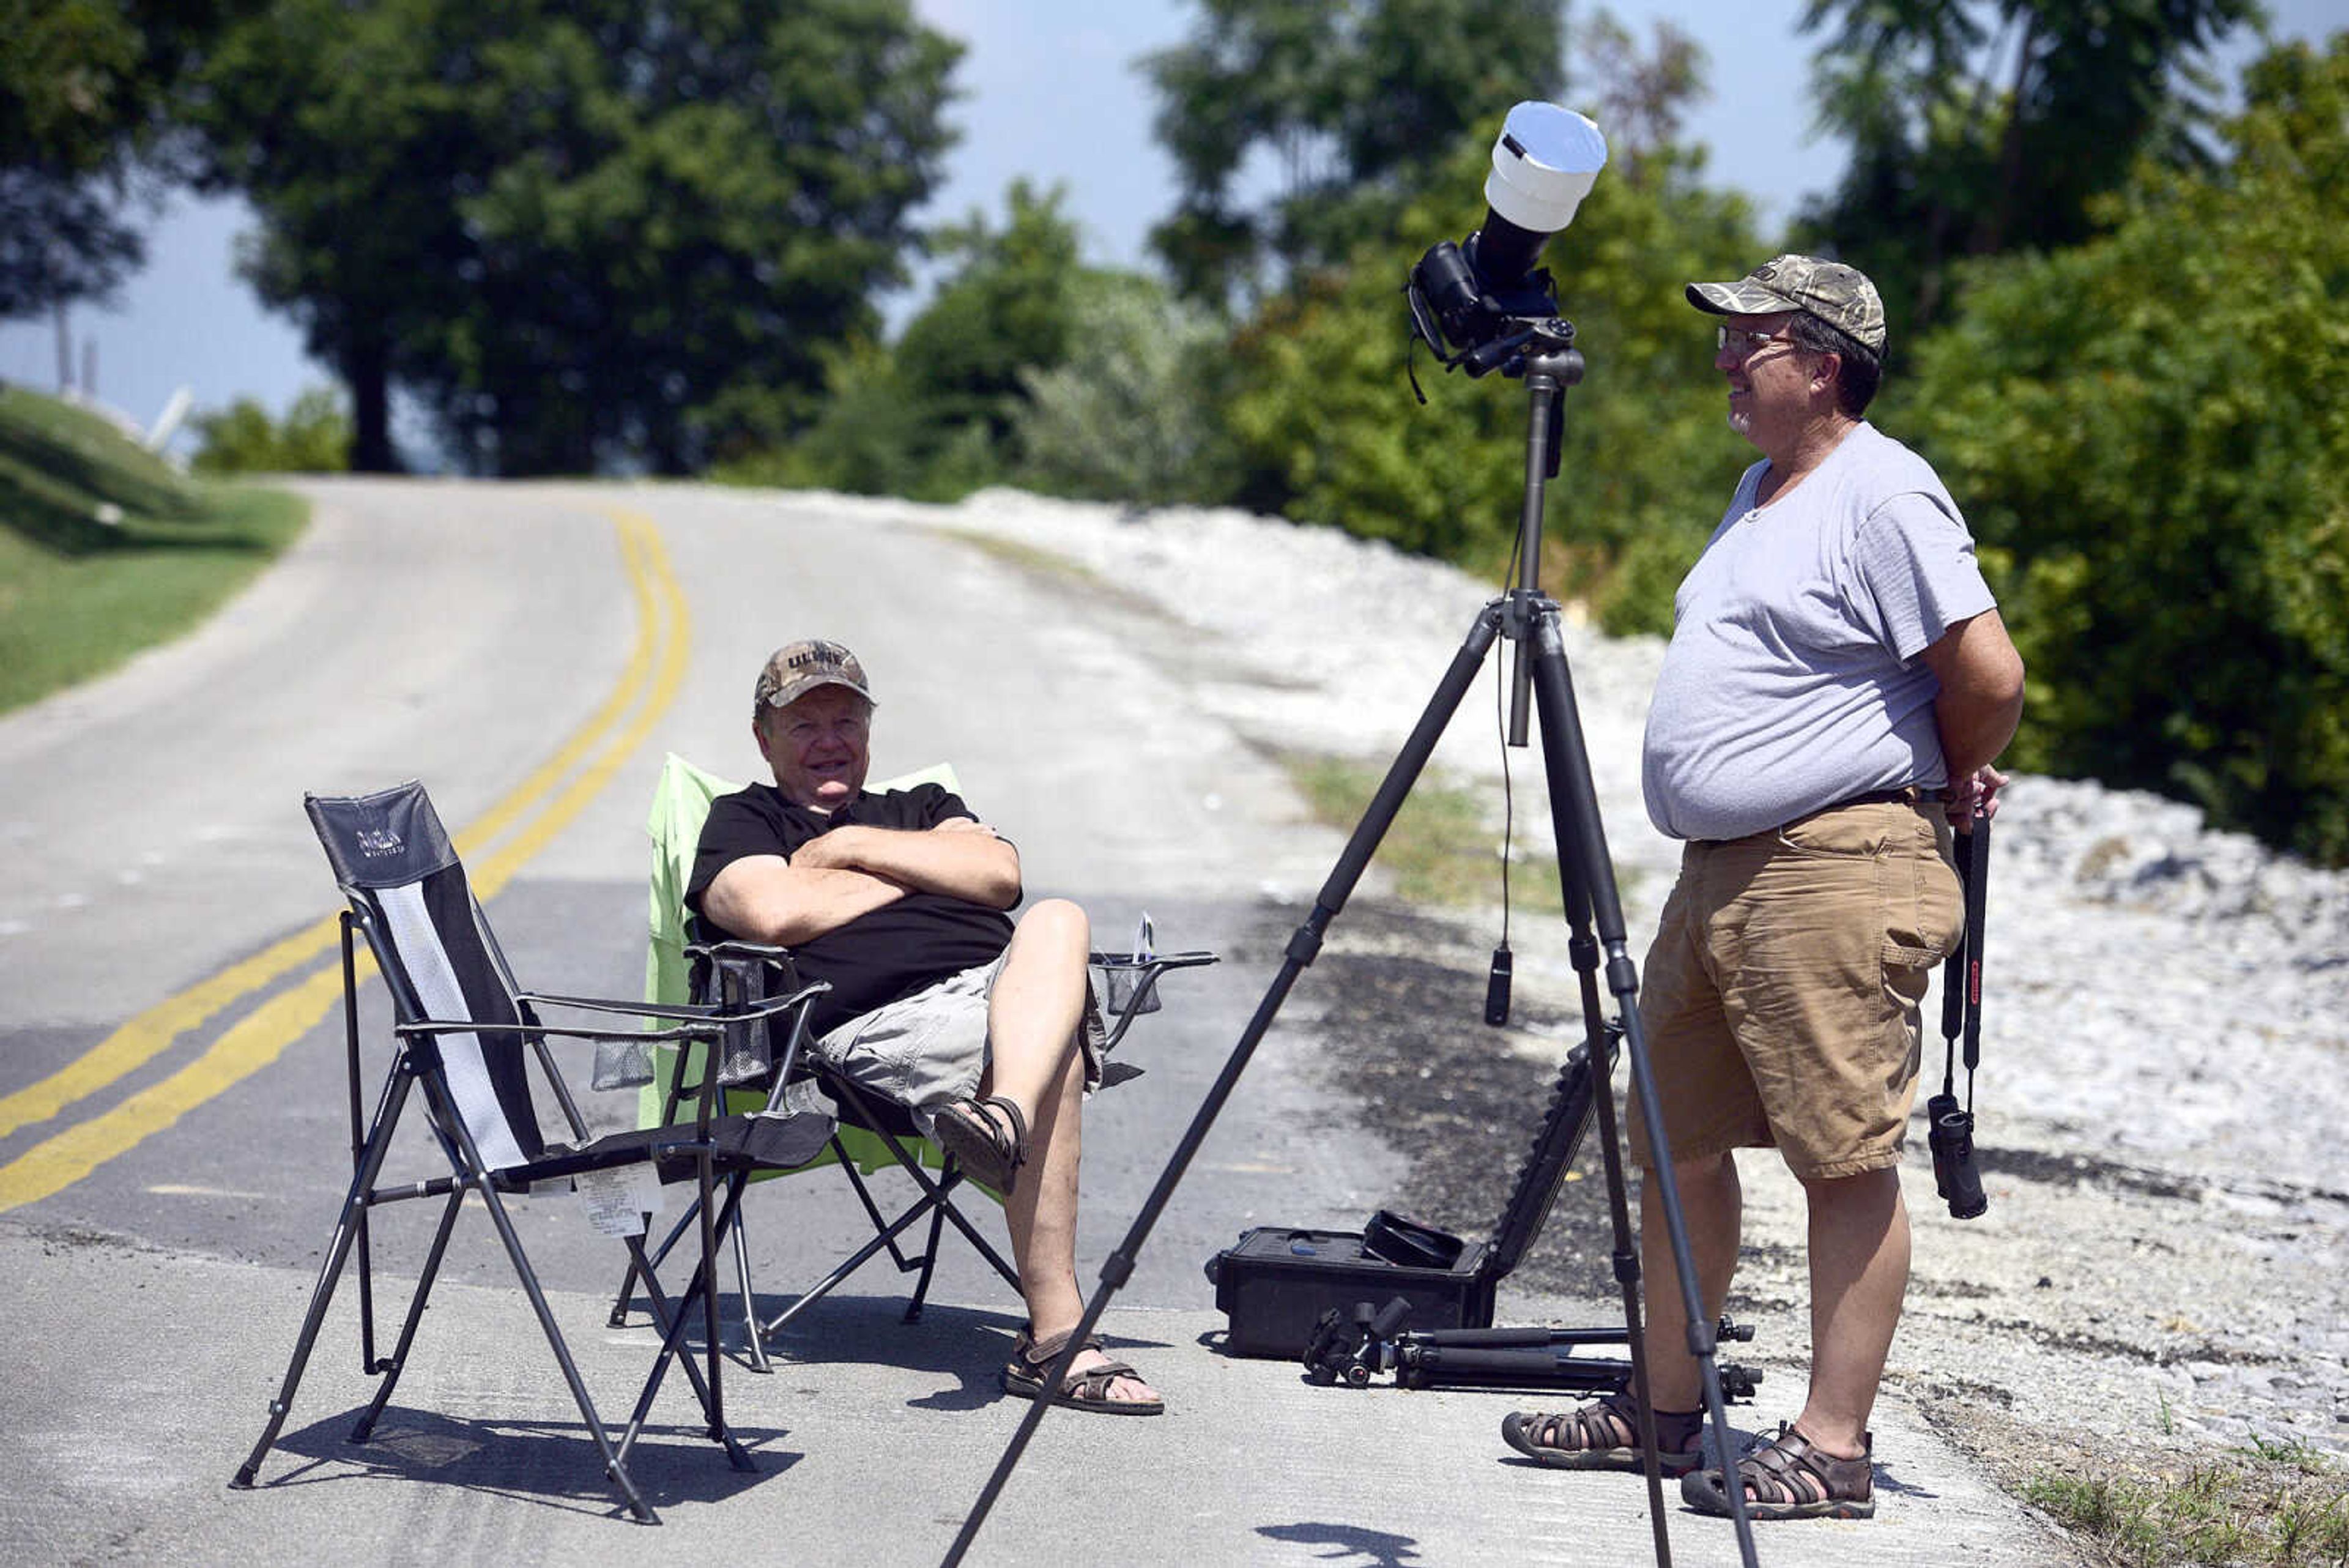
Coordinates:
1131 415
315 437
2148 435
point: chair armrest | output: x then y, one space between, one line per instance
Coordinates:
689 1012
707 1029
1153 961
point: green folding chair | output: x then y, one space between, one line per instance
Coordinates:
870 1134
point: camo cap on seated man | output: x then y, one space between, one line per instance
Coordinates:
1837 294
797 669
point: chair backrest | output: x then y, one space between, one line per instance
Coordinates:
394 862
681 801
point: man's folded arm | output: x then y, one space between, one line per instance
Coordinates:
767 898
959 857
1980 699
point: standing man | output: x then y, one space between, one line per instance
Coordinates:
1839 681
981 1028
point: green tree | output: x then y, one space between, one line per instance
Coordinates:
1980 126
939 414
1004 309
589 234
315 437
2150 438
85 90
1354 102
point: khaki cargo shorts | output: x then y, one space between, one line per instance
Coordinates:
930 1048
1780 1000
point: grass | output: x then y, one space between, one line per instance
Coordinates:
1053 569
1442 849
2270 1506
106 549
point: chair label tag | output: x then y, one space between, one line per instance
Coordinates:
618 1200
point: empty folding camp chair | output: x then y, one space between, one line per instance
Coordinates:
460 1030
871 1134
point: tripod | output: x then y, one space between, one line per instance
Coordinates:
1542 354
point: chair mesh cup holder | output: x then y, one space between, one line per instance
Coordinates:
621 1065
1128 984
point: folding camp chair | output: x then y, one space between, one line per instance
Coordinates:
871 1134
460 1024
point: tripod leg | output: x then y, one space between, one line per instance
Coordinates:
1582 839
1303 948
1576 876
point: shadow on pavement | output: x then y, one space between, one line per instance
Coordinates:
551 1463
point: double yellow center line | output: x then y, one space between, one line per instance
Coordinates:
537 809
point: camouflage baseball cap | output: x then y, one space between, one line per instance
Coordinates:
797 669
1837 294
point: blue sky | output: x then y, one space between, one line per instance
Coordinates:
1050 91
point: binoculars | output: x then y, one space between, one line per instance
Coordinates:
1951 1139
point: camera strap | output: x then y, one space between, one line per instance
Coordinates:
1962 973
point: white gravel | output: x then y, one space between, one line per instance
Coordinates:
2162 1092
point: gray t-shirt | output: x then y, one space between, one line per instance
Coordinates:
1791 680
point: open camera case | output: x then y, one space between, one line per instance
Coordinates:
1276 1281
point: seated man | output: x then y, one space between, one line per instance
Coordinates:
979 1027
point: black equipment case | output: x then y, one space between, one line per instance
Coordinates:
1275 1284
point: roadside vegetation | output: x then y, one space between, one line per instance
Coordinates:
2271 1506
2112 282
1446 844
106 549
315 437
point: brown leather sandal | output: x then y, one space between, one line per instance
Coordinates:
1791 1479
1032 1362
989 1153
1605 1436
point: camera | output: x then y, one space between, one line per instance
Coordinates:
1951 1135
1473 302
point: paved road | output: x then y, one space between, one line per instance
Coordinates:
171 1101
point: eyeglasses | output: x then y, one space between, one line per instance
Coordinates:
1742 345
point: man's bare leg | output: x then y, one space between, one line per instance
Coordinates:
1035 1004
1713 1207
1033 1014
1859 1273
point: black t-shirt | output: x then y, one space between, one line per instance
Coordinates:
878 957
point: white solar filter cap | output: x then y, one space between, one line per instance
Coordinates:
1543 166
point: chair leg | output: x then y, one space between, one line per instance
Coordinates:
884 1237
880 1221
612 1466
464 1155
392 1368
986 1248
619 1318
672 1321
338 1252
939 1192
929 1260
759 1362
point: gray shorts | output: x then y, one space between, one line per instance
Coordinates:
929 1049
